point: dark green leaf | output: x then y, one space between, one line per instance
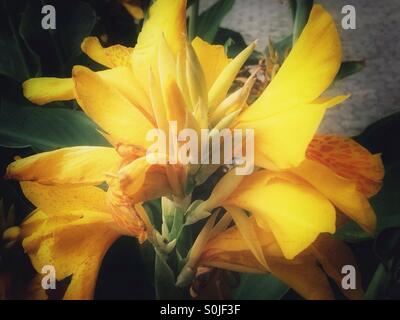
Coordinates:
378 138
234 44
210 20
352 232
58 48
46 128
164 279
154 212
177 224
259 287
376 288
303 9
282 46
381 137
387 244
16 60
348 68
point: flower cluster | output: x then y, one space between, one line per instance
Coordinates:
279 219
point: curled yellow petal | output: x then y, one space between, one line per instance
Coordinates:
350 160
75 165
141 181
44 90
110 57
342 192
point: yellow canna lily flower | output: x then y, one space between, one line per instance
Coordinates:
72 229
287 114
172 87
300 203
293 198
306 274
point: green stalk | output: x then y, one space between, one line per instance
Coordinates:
193 15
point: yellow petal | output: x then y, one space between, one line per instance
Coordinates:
350 160
75 165
110 57
333 255
74 246
280 139
173 102
248 233
307 72
57 200
44 90
134 9
223 189
231 240
228 250
142 181
222 84
236 101
237 261
212 58
166 18
342 192
124 80
196 84
307 279
109 109
294 212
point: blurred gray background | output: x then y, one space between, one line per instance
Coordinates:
375 91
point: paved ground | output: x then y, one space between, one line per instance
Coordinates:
375 90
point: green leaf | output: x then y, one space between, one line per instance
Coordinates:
210 20
154 212
380 138
351 232
234 44
177 224
58 48
283 46
164 280
16 60
78 22
193 17
259 287
46 129
303 9
349 68
377 286
387 244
